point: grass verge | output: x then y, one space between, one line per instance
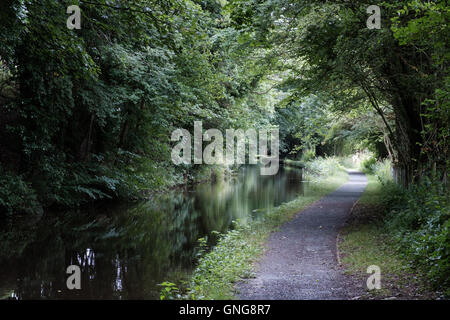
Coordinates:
233 258
364 241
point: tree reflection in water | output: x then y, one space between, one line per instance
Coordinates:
125 251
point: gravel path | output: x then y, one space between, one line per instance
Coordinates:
300 261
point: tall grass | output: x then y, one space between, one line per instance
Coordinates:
383 171
320 168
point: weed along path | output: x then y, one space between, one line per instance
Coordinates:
300 261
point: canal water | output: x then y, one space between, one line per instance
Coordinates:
125 251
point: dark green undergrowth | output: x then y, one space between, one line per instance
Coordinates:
16 195
403 231
364 241
69 185
65 185
419 221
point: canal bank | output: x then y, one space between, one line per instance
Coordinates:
235 255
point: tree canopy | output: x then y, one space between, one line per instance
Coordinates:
87 114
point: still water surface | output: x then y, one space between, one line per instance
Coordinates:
124 252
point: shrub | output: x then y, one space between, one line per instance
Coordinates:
419 219
383 170
367 165
16 195
322 167
308 155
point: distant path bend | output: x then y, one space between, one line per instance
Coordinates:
300 262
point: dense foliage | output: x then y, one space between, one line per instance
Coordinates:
419 220
87 114
399 71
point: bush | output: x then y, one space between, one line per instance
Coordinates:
16 195
60 184
308 155
383 171
322 167
419 220
367 165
